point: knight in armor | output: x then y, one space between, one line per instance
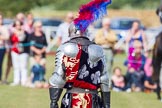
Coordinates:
81 69
80 66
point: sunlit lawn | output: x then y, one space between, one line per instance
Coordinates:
20 97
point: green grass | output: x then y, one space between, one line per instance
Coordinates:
20 97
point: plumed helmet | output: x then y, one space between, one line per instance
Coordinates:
88 13
75 32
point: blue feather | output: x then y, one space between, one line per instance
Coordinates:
98 10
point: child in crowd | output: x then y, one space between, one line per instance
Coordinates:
118 80
135 64
38 70
149 85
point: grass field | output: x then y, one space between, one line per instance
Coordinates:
20 97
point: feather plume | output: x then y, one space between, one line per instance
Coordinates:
91 12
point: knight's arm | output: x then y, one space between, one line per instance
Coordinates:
96 54
57 81
105 90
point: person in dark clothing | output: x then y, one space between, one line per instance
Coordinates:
149 84
38 42
4 36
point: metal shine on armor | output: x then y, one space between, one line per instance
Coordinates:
80 65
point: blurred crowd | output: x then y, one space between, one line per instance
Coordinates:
24 41
138 62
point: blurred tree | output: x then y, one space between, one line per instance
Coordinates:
117 5
11 7
68 4
137 4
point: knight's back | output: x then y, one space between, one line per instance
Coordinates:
82 63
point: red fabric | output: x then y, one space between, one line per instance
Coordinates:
72 66
84 85
15 42
82 100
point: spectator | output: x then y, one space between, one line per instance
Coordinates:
149 85
135 66
4 36
148 82
20 17
62 32
28 26
107 39
8 60
135 33
91 32
39 42
39 46
38 73
118 80
19 54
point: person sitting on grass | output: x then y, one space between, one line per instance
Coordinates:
38 70
135 64
149 85
118 81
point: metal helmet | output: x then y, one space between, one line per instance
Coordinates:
75 32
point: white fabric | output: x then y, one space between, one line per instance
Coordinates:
20 62
3 32
63 32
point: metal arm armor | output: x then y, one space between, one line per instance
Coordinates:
57 79
96 54
105 77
